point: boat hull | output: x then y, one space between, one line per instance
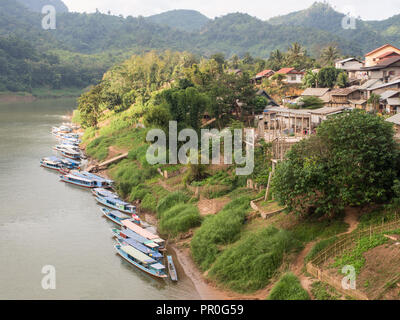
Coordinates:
126 258
77 184
104 203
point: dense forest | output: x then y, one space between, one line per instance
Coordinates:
84 46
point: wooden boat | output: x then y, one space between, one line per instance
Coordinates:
78 181
66 147
58 164
144 233
71 154
129 234
101 192
117 217
141 261
117 204
141 247
171 268
99 181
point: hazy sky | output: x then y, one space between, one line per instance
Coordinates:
263 9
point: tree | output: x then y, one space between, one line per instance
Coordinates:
329 55
311 102
374 101
327 77
342 80
310 79
351 161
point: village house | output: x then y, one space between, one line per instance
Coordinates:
396 123
386 69
265 74
353 68
390 101
292 75
375 56
322 93
344 97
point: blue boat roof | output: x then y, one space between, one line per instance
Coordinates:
118 214
54 158
135 236
116 200
141 247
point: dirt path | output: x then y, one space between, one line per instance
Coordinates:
351 218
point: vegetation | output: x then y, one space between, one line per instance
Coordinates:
355 151
288 288
322 291
249 264
221 229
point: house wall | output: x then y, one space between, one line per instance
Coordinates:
369 60
294 78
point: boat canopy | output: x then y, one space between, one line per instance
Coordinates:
159 241
136 254
118 214
157 266
139 230
137 245
71 176
52 158
117 201
139 238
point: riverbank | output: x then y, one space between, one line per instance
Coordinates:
40 93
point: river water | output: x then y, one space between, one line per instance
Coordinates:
45 222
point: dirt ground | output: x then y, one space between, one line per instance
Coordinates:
211 206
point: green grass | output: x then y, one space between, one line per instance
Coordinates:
318 247
288 288
98 148
249 264
322 291
171 200
179 219
355 256
220 229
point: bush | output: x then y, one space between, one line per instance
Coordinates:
288 288
170 201
220 229
149 203
318 247
98 148
139 192
249 264
179 218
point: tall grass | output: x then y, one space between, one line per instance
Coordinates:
249 264
288 288
170 201
221 229
179 218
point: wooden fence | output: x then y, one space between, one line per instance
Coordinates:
344 242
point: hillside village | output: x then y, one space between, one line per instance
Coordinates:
373 85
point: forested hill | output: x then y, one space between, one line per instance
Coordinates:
102 39
37 5
184 20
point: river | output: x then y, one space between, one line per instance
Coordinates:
45 222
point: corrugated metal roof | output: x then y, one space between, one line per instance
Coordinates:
139 230
343 91
384 85
137 254
393 101
388 94
370 83
318 92
395 119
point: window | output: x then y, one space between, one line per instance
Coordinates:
293 78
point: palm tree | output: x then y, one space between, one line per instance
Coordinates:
295 51
310 79
374 100
329 55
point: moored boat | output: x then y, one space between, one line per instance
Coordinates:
71 154
129 234
139 246
78 181
117 217
141 261
117 204
145 233
171 268
100 181
101 192
58 164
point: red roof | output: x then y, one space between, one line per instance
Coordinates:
377 49
288 71
391 53
264 73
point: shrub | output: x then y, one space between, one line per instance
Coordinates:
149 203
179 218
170 201
223 228
318 247
249 264
139 192
288 288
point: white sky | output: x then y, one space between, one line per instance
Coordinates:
263 9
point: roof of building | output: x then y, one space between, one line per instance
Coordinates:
343 91
386 54
264 73
327 110
288 71
380 48
393 101
370 83
383 63
388 94
395 119
318 92
379 86
358 102
347 60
